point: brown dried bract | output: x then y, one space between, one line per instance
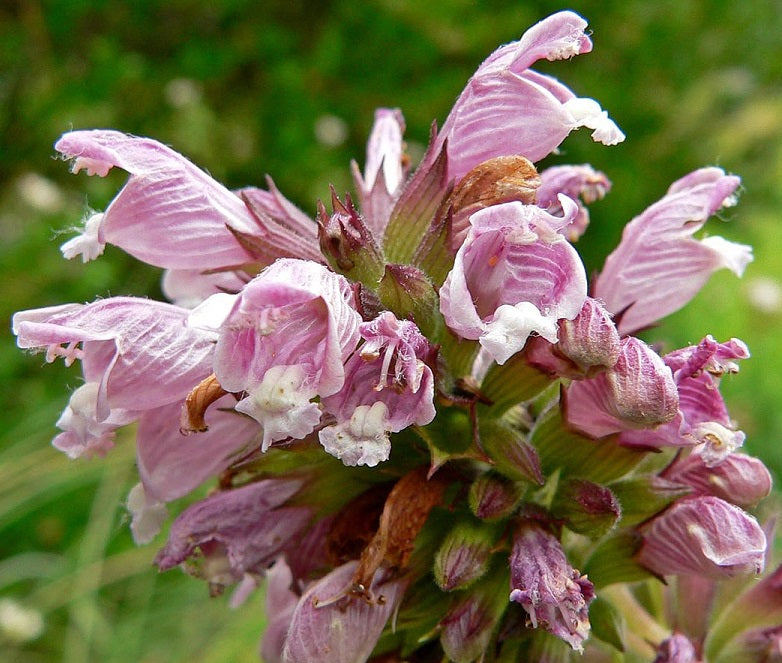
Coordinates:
499 180
198 400
405 511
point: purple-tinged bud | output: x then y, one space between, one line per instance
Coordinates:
323 630
739 479
638 392
513 456
348 243
236 531
587 508
468 626
554 594
590 339
704 536
587 344
493 496
385 169
463 556
676 649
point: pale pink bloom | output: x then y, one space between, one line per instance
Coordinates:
172 464
637 392
582 183
345 631
704 536
514 275
387 388
506 108
658 266
136 355
285 341
236 531
589 343
385 170
554 594
172 214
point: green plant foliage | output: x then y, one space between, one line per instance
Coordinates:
289 87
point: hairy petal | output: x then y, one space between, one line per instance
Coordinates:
658 266
508 109
345 631
703 536
169 213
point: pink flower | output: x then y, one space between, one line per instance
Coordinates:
704 536
508 108
658 266
387 388
172 214
513 276
285 341
136 355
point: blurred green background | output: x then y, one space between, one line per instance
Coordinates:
288 87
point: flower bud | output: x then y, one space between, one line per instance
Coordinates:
587 508
554 594
492 496
463 556
705 536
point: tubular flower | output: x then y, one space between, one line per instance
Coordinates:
411 414
514 276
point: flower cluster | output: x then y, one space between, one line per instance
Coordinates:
420 414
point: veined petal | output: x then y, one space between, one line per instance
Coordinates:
342 632
384 171
512 261
169 213
140 351
658 266
171 464
704 536
507 108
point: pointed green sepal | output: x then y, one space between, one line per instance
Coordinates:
513 382
417 205
607 622
613 560
601 461
512 455
410 294
587 508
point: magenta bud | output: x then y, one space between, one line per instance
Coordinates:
463 556
704 536
493 496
